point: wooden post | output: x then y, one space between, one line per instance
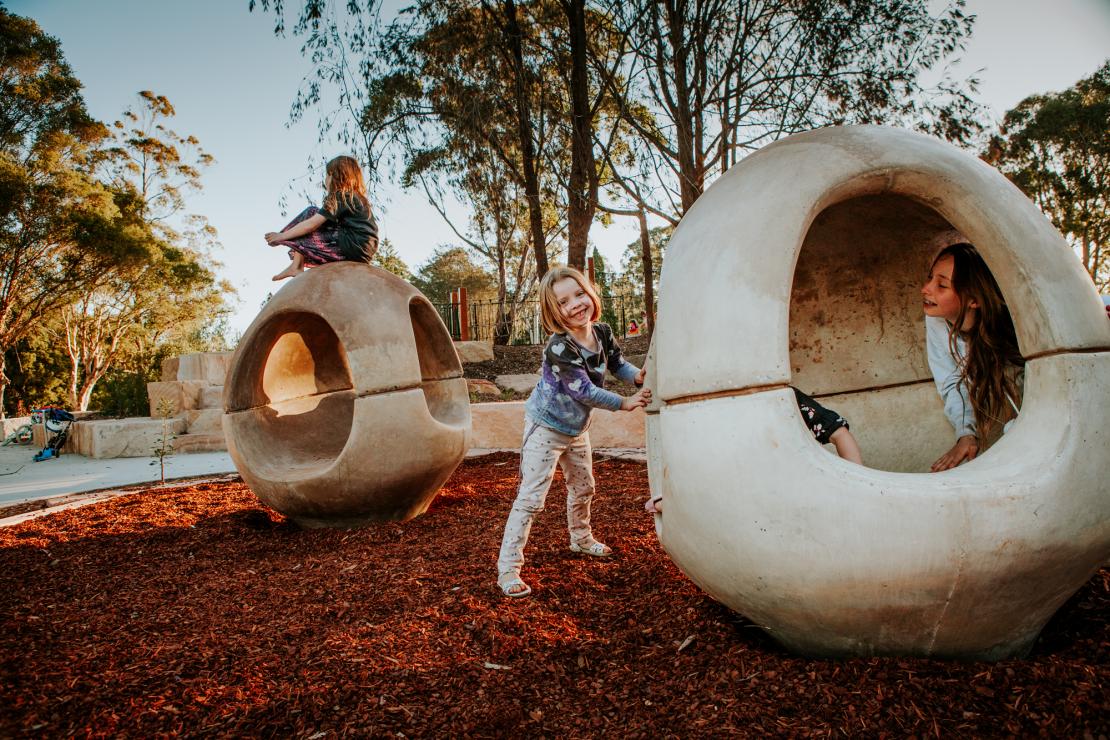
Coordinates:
590 270
464 316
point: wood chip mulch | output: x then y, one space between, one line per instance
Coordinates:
198 611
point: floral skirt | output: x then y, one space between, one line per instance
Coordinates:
320 246
821 421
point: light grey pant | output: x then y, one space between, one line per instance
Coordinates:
541 450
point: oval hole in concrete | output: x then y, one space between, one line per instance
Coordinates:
296 381
439 365
857 331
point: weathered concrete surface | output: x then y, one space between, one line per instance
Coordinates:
813 249
482 388
345 402
501 426
108 438
9 425
208 368
474 351
204 421
180 395
521 382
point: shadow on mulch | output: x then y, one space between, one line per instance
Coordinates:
199 611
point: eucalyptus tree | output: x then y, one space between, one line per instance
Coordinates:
149 157
53 212
1056 148
709 81
158 292
439 79
162 285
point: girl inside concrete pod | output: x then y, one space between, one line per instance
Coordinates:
973 351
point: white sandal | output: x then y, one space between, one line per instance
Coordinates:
508 581
596 549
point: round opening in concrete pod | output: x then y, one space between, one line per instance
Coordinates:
295 375
439 366
809 256
857 330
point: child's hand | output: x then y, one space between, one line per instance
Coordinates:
641 398
272 236
966 448
640 376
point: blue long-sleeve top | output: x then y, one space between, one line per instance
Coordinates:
572 381
948 374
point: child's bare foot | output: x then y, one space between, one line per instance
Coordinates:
653 506
288 272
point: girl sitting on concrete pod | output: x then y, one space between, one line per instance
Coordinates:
557 418
973 351
343 230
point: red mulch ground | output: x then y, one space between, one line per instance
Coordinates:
200 612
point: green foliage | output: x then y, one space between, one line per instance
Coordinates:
58 225
156 162
387 259
1056 148
632 261
93 278
602 281
450 268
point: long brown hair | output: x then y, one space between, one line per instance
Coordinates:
992 347
346 182
549 307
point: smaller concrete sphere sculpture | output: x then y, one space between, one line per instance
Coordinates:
803 266
345 401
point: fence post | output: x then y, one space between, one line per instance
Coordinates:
590 270
454 311
464 316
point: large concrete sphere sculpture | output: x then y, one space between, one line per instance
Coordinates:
803 266
345 401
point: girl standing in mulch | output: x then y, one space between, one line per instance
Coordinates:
343 230
557 417
973 351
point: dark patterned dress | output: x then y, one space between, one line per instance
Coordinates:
350 234
821 421
317 247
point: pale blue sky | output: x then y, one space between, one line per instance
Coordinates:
231 82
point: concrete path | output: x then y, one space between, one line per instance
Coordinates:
22 479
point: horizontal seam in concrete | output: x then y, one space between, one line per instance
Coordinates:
344 390
723 394
868 389
1078 351
761 388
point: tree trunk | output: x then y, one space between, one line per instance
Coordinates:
582 185
500 335
524 132
649 274
86 394
684 115
71 391
3 383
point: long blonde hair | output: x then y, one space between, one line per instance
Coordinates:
549 306
346 182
